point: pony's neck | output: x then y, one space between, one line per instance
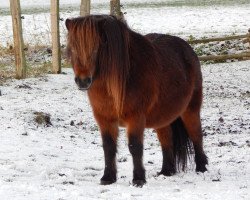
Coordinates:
142 52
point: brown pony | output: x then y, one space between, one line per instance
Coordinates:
139 82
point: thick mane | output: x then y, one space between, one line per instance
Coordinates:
114 59
105 39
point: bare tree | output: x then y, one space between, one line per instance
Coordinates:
85 7
20 61
55 33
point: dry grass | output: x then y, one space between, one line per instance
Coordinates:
38 59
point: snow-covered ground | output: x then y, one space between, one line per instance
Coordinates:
65 160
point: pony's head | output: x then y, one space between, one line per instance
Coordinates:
82 48
98 47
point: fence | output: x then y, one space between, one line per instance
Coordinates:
243 55
57 22
54 33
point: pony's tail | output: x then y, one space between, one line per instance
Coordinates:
182 145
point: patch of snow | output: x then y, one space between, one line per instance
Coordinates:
65 160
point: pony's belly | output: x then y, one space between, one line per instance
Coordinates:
163 115
160 121
121 123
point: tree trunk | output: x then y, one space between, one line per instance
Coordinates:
20 61
55 33
85 7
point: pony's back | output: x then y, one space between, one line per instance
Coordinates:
175 51
172 45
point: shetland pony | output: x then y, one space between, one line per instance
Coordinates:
138 82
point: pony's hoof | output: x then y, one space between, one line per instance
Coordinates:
201 169
166 173
139 183
107 180
201 162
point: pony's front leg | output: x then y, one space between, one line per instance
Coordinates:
135 129
109 132
109 147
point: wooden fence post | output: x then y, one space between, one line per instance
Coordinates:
115 9
20 61
85 7
249 37
55 33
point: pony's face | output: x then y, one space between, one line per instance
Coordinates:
82 49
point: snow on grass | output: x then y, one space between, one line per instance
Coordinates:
65 160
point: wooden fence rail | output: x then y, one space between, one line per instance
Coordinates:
243 55
218 39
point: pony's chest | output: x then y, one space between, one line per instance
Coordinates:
101 102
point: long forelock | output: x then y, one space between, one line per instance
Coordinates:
84 39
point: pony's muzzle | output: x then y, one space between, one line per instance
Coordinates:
83 84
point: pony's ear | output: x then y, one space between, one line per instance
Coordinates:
68 23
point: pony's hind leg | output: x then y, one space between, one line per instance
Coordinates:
109 132
168 163
192 122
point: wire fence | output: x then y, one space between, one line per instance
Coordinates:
36 25
37 41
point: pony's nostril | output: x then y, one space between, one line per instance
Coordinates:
87 80
83 84
77 80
